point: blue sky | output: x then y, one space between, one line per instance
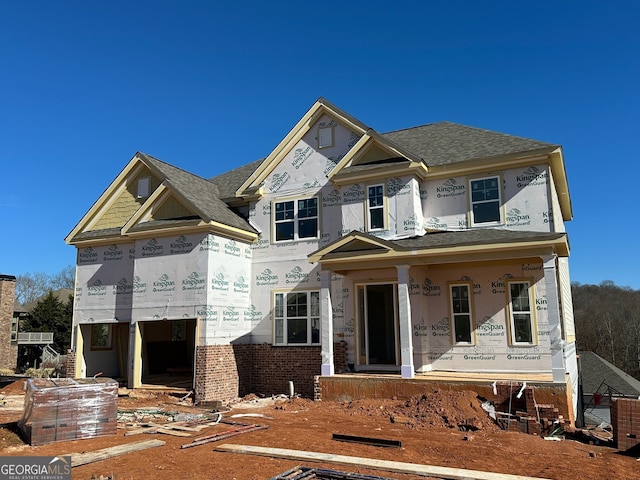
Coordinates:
208 87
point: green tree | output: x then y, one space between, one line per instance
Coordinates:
52 315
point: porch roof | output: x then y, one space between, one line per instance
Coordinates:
358 250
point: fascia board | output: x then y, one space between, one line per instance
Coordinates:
374 242
320 107
562 185
106 199
457 254
418 169
486 164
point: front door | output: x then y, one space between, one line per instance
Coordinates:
377 324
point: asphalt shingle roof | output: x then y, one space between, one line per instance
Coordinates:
473 237
595 370
202 193
446 142
227 183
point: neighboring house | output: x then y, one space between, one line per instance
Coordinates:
435 248
601 382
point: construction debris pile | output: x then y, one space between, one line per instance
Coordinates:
66 409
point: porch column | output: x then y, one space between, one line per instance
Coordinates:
404 312
326 324
553 311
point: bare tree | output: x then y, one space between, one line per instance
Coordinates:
64 279
31 286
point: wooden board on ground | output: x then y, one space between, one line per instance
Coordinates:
390 466
78 459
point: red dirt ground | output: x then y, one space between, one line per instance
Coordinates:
427 426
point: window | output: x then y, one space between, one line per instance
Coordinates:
101 337
461 314
375 207
296 219
297 318
143 187
485 201
520 313
325 136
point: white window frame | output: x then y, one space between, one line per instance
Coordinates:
472 203
469 313
294 219
370 208
519 310
325 136
144 187
283 316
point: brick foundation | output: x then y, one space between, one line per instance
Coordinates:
625 419
70 364
8 351
226 372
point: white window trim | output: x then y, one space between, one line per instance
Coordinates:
369 208
472 221
326 130
531 312
295 220
470 313
284 318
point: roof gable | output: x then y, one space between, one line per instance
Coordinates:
176 196
321 107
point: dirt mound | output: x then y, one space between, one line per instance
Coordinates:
462 410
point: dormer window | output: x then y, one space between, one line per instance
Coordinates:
325 136
143 187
